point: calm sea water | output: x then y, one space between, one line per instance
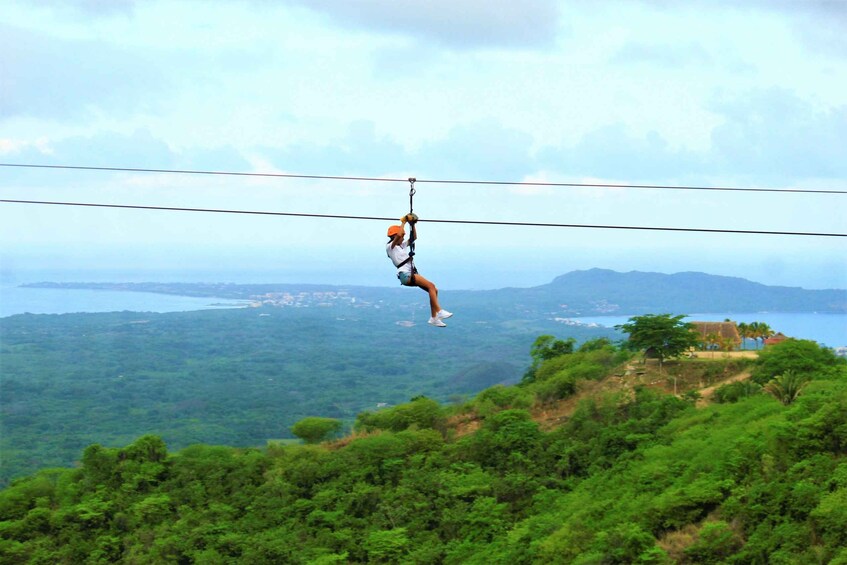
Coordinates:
826 329
17 300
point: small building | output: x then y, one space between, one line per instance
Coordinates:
776 338
724 330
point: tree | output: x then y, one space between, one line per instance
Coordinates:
802 356
387 546
544 348
753 332
711 341
765 332
786 387
663 335
314 429
744 332
726 344
759 330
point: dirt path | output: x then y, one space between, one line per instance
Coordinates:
706 393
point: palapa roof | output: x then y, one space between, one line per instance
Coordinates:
723 329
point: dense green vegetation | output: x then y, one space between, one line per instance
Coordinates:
234 377
633 475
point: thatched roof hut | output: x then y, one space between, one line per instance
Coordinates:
724 330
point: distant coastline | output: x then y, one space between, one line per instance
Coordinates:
555 303
579 293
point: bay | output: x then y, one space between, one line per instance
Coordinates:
827 329
20 300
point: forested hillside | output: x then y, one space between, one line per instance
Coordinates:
237 377
631 475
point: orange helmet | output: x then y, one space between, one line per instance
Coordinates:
394 230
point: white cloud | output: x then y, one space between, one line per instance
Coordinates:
469 24
687 55
61 79
18 146
87 8
774 136
706 93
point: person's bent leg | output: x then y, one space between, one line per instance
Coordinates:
431 289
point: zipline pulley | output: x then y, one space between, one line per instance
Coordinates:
412 192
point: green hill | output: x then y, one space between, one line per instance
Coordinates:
590 292
632 475
639 292
601 291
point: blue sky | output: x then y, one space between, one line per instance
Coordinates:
718 93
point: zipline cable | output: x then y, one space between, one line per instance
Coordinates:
432 181
379 218
413 234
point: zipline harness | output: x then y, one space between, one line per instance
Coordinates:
411 218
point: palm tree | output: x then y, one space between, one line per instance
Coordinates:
787 386
765 332
743 331
754 331
727 344
711 340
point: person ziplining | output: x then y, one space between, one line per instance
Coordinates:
402 252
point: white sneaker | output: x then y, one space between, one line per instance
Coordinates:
437 322
443 314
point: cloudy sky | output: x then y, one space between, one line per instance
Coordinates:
748 94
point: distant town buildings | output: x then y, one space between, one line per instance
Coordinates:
304 299
774 339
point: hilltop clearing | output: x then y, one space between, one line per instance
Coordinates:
694 378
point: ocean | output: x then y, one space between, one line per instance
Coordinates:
827 329
18 300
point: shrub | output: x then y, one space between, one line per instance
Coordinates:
560 386
421 412
314 429
733 392
596 344
715 544
505 397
